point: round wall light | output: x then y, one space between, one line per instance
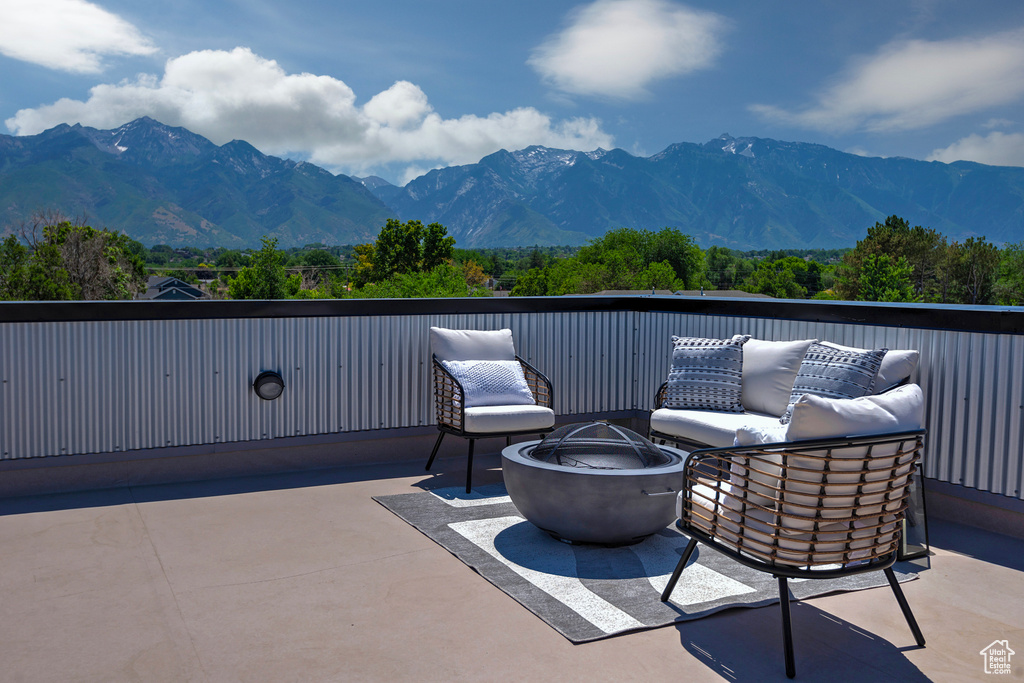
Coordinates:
268 385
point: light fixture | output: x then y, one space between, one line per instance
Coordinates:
268 385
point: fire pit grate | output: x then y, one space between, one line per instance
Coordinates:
599 446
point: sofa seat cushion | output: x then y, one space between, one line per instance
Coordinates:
714 428
503 419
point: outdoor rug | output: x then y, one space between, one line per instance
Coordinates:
588 592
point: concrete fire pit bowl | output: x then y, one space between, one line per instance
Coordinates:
598 493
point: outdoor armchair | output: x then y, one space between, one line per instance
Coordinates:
809 509
483 389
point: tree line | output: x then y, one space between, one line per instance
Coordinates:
54 258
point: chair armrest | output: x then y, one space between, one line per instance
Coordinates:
659 397
540 386
450 409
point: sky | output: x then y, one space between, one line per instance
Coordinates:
397 87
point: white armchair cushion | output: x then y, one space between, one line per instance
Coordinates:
897 365
815 417
472 344
491 382
503 419
769 368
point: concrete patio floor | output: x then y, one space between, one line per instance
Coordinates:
303 577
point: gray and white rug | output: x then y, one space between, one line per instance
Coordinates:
591 592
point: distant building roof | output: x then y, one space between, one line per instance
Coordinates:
728 293
162 287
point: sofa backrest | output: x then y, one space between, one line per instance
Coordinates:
770 368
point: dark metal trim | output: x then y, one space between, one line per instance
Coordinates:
989 319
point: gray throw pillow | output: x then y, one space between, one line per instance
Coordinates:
835 373
706 374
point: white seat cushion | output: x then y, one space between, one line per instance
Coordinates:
502 419
709 427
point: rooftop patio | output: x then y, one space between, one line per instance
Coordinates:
159 522
301 576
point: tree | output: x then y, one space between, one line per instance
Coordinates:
14 260
318 266
264 278
68 260
438 246
970 272
923 248
884 278
776 279
1009 288
446 280
398 250
533 283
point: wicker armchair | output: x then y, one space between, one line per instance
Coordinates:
805 509
472 423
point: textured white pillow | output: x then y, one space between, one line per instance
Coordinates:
491 382
769 368
472 344
897 365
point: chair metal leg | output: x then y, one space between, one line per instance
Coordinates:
679 570
787 627
508 440
433 453
905 606
469 467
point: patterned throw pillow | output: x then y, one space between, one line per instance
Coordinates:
491 382
835 373
706 374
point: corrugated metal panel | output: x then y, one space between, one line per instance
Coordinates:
91 387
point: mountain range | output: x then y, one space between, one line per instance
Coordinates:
167 185
164 185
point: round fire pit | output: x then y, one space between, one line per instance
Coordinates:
594 483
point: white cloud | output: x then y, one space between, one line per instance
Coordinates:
997 123
617 47
995 149
240 95
68 35
915 84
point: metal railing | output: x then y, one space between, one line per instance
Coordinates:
86 378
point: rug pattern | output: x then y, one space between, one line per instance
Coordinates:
590 592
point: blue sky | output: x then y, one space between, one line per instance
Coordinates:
395 88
